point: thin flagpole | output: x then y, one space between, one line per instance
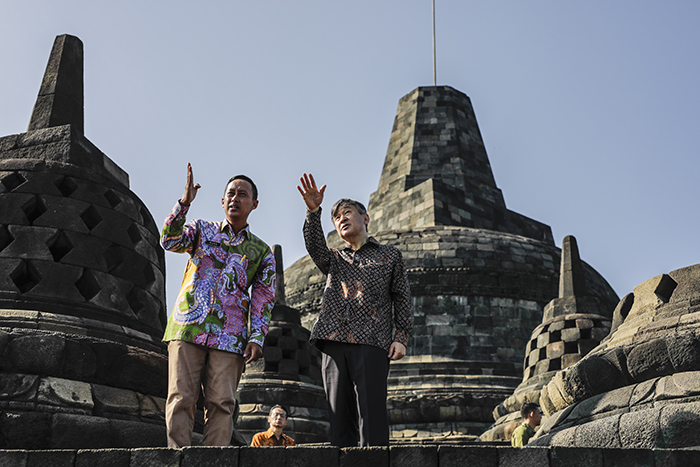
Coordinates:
434 62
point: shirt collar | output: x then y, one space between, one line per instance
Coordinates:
271 434
369 240
227 228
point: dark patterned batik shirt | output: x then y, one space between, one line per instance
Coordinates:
367 299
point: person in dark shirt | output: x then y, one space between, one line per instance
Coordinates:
365 320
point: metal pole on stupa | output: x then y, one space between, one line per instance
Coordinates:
82 296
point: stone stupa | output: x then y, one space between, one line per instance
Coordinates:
480 274
640 388
288 374
82 296
573 324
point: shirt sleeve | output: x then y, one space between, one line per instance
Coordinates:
256 440
262 299
315 241
401 298
177 236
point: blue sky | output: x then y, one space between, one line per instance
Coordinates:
589 110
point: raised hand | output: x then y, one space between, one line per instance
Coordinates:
190 188
313 197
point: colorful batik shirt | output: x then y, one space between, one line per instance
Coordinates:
367 299
213 305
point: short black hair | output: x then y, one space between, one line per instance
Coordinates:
527 409
278 406
247 179
348 202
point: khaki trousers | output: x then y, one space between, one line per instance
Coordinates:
190 367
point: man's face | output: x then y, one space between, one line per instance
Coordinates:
535 417
238 201
277 418
349 223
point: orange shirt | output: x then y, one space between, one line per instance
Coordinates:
268 438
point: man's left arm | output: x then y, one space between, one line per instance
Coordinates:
262 299
403 309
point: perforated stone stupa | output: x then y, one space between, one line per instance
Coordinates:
289 374
640 388
573 324
480 274
82 297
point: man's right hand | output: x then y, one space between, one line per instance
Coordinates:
190 188
313 197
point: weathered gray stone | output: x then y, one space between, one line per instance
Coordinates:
683 350
523 457
13 458
80 361
679 425
198 456
163 457
24 430
561 456
648 360
18 387
457 456
65 393
311 456
102 458
688 280
639 429
599 433
80 431
114 400
361 457
252 456
60 98
56 458
75 242
151 407
425 456
628 457
677 458
39 354
135 434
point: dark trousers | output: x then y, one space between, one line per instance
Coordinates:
354 378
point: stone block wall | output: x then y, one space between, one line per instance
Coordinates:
74 239
288 374
561 342
464 281
436 171
60 390
326 456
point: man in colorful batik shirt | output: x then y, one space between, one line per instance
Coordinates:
207 332
365 320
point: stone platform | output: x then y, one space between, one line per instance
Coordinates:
327 456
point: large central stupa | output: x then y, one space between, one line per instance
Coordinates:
480 274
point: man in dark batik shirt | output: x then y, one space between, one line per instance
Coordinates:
365 320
